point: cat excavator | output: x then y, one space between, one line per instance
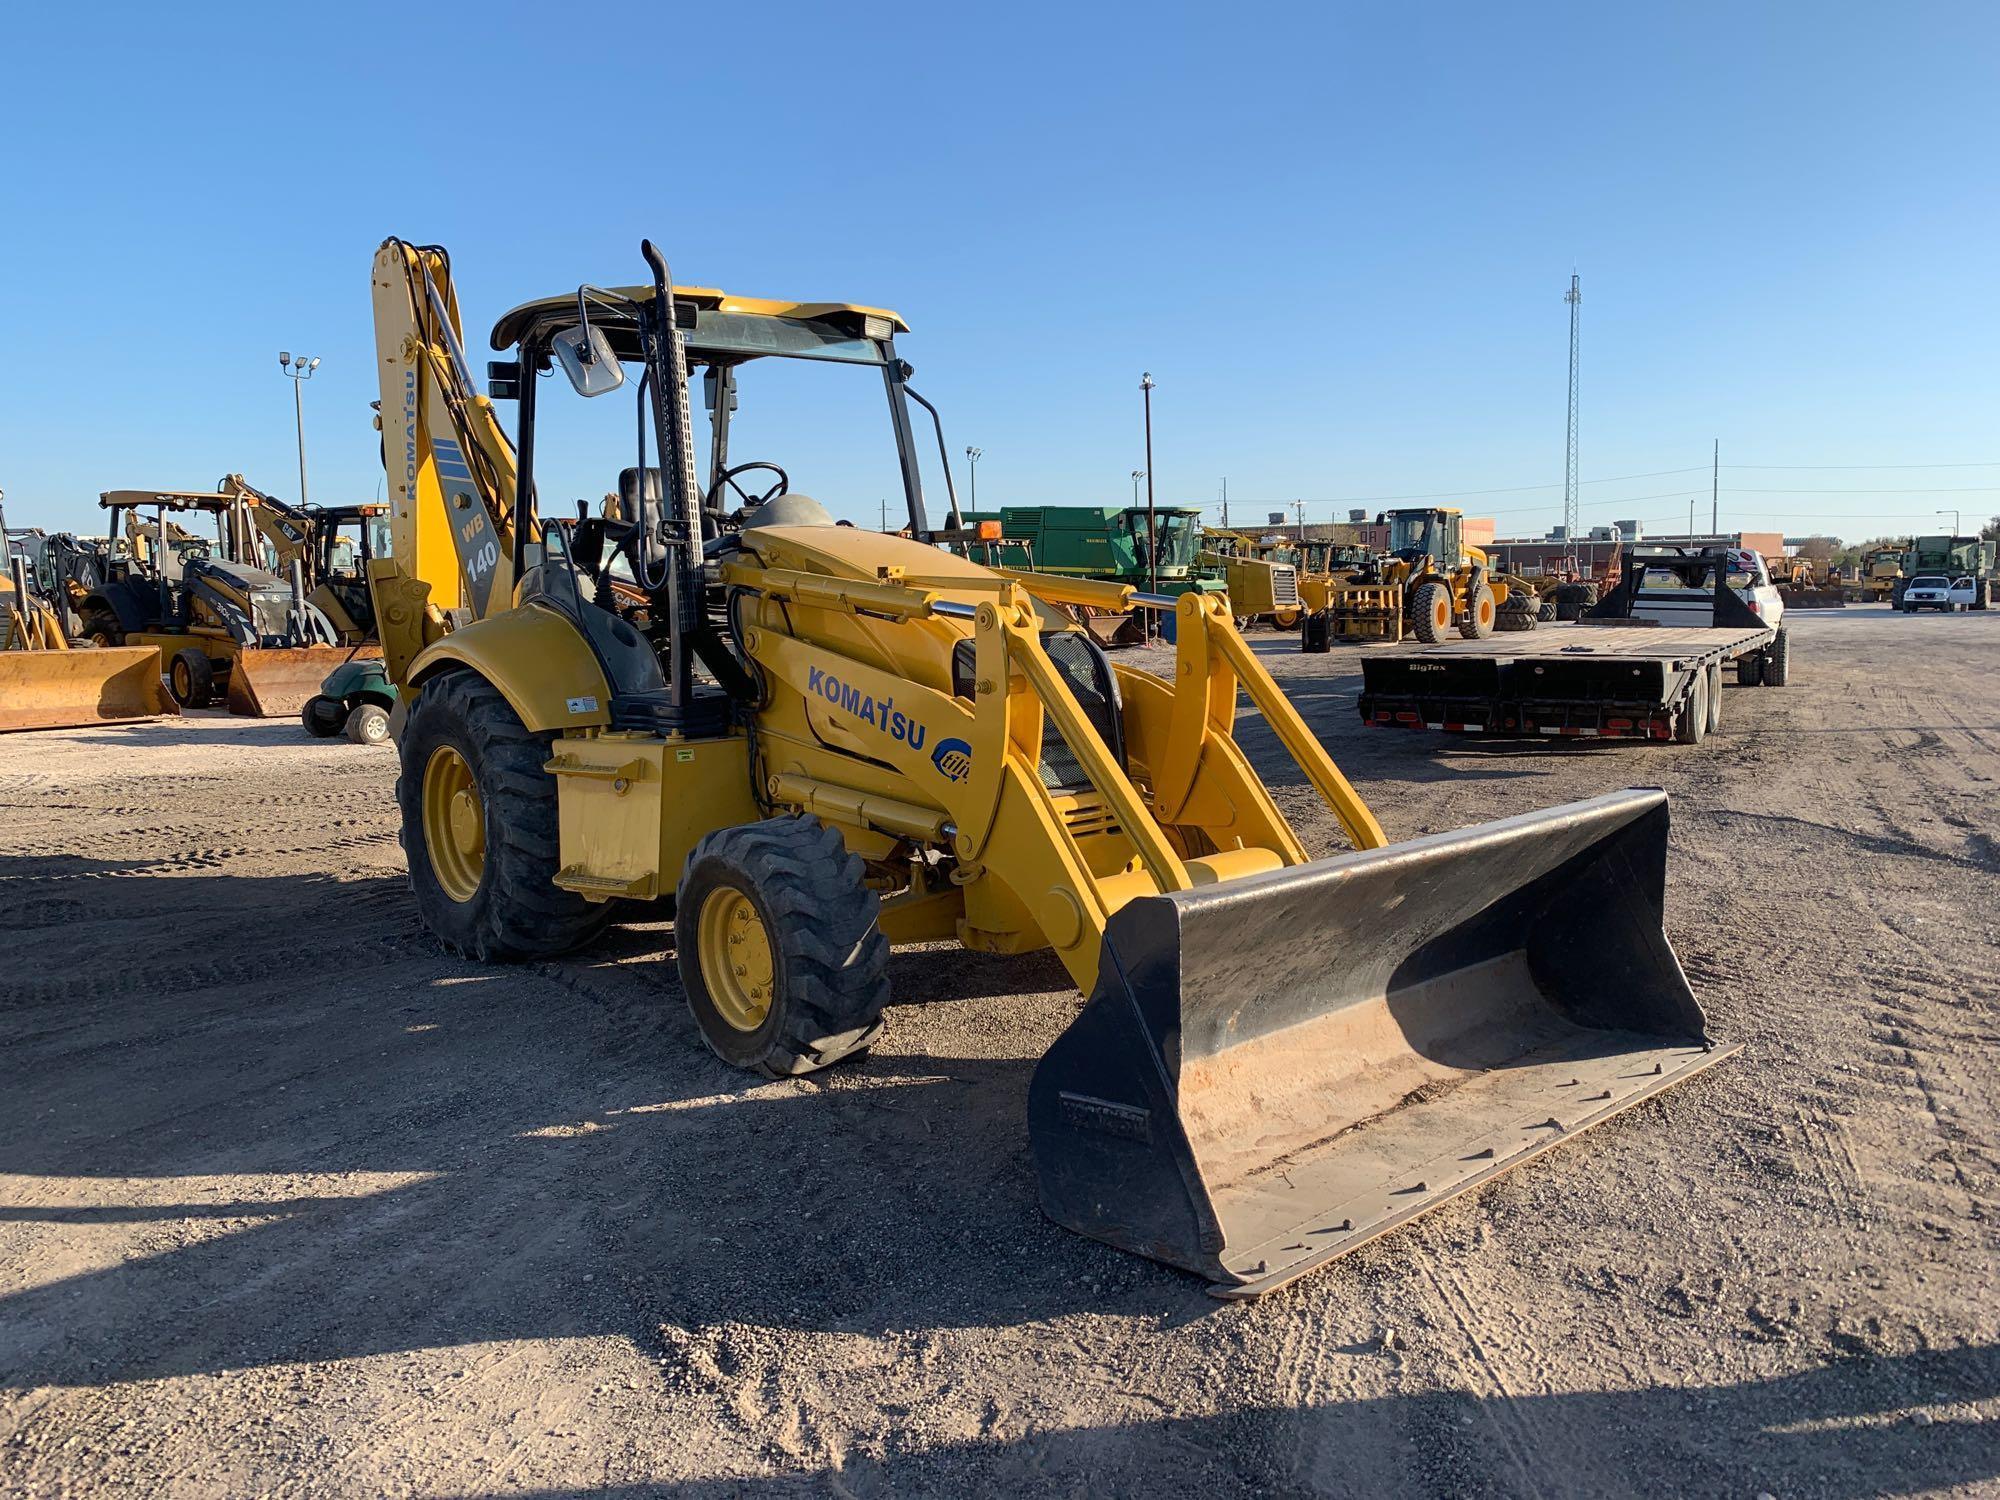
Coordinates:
809 742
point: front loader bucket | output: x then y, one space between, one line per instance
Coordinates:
275 684
87 685
1274 1070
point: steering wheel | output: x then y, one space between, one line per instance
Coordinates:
728 477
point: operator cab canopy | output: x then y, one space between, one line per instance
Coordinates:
726 330
720 333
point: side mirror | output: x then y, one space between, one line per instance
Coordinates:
586 357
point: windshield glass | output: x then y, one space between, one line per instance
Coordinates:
1179 538
1927 582
1412 532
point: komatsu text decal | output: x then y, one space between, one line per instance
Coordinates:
876 713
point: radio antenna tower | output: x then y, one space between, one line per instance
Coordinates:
1574 298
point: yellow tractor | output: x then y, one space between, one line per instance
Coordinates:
812 742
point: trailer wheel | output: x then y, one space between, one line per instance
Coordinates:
779 949
1778 660
191 678
1430 612
1714 696
1693 726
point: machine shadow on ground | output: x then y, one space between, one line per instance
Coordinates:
1840 1427
524 1126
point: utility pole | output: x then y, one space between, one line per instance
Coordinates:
1225 502
1574 298
300 370
1715 492
1299 510
1152 520
885 515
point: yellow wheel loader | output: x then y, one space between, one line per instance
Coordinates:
48 683
224 628
816 742
1445 584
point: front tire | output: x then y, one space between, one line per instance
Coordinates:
191 678
1430 612
368 724
479 828
779 948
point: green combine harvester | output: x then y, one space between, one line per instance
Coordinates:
1108 542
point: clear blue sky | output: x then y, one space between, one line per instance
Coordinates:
1337 235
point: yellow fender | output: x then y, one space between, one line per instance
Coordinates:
538 661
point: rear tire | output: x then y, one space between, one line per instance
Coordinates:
1693 726
488 891
1545 611
1714 696
1430 612
1480 614
1778 660
787 902
322 717
102 630
1750 669
191 678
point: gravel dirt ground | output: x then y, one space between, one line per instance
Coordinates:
292 1203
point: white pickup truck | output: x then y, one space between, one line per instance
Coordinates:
1935 591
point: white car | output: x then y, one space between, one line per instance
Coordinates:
1935 591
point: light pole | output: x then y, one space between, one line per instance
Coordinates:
1955 518
300 370
972 457
1137 475
1152 523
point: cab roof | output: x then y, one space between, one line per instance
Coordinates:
172 499
847 318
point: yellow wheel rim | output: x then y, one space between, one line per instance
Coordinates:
1441 614
454 824
735 953
1486 611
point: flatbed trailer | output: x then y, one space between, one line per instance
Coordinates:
1612 675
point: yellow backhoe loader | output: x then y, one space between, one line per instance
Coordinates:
221 625
46 682
331 544
815 741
